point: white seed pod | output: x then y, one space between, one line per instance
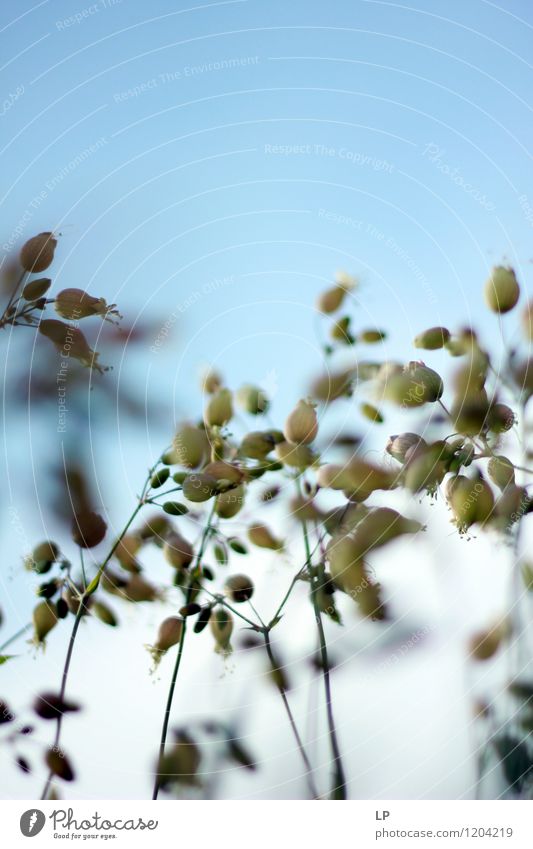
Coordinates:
301 425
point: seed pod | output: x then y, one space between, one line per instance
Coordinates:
38 252
35 289
425 467
432 339
501 471
88 529
69 341
43 556
190 610
44 619
225 474
379 527
331 386
174 508
345 563
74 304
190 446
221 623
301 426
58 764
203 620
180 764
211 381
370 337
399 444
48 589
237 546
137 589
500 418
527 321
331 300
155 526
159 478
126 551
239 588
229 503
253 399
72 597
219 409
502 290
471 501
295 456
52 706
357 477
511 506
178 551
257 445
484 644
416 385
104 613
199 487
340 331
262 537
62 610
371 413
169 635
470 415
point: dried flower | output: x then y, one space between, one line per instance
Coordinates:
70 342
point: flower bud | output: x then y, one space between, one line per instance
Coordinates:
199 487
38 252
229 503
398 445
262 537
190 446
501 471
59 765
169 634
74 304
221 624
301 426
253 400
239 588
35 289
432 339
501 289
44 619
219 409
257 445
178 551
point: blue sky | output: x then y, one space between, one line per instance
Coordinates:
214 165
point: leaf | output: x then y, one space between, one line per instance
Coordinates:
5 657
58 763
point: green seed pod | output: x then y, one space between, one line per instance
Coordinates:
379 527
295 456
237 546
257 445
229 503
472 501
502 290
88 529
221 623
399 444
219 409
501 471
432 339
253 399
38 252
262 537
199 487
425 467
371 413
416 385
370 337
190 446
239 588
301 426
527 321
225 474
104 613
174 508
35 289
178 551
159 478
470 415
358 478
44 619
74 304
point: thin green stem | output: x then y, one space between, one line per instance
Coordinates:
301 748
339 789
15 636
170 697
5 319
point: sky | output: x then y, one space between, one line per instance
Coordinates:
212 165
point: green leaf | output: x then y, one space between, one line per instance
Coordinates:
5 657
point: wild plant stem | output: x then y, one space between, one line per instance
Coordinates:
279 684
88 591
170 697
15 636
339 789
